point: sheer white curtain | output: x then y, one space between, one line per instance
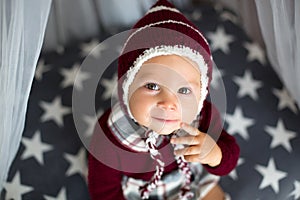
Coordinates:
22 26
78 20
280 24
81 19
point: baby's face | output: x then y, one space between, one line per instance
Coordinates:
164 93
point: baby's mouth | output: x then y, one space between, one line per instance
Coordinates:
166 120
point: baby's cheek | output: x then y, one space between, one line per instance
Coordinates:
189 110
139 108
188 117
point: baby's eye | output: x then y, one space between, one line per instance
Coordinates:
152 86
184 90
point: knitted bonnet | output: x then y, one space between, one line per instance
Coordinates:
163 30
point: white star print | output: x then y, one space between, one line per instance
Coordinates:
14 189
93 48
61 195
72 74
238 124
218 7
196 15
110 86
225 15
247 85
78 163
54 111
271 176
217 78
35 147
285 100
255 52
233 173
281 135
220 40
296 192
119 49
91 121
41 69
60 49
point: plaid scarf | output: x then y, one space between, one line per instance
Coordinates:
141 139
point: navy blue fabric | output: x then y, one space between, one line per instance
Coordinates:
53 177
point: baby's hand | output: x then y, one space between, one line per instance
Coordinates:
201 147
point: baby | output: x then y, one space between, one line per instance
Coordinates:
163 139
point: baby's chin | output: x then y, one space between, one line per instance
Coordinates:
165 131
163 128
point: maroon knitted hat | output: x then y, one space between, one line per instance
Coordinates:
163 30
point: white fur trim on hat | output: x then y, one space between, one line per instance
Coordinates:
179 50
159 8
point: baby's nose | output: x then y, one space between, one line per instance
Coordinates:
168 100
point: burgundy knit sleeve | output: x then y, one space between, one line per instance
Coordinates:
211 124
104 182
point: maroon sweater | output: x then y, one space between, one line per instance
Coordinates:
105 180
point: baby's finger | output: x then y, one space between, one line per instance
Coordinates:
188 140
189 129
192 150
192 158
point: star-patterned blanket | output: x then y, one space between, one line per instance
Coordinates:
51 161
